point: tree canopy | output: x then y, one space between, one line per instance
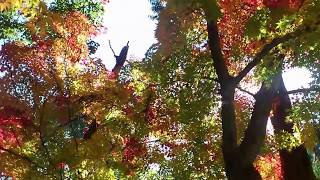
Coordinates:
196 107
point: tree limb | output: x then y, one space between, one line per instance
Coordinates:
114 54
256 131
227 85
297 157
216 52
245 91
41 136
265 50
120 60
23 157
304 90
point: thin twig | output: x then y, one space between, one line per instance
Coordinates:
114 54
304 90
245 91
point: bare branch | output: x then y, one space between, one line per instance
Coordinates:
120 60
245 91
114 54
304 90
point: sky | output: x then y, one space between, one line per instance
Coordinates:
128 20
296 78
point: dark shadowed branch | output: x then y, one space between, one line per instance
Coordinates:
266 49
20 156
304 90
120 60
246 91
216 52
256 131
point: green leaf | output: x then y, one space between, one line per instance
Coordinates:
211 9
256 24
277 14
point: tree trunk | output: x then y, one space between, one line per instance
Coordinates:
239 159
296 164
239 162
242 171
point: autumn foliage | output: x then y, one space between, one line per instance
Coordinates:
196 107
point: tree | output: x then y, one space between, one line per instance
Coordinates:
52 92
242 36
63 115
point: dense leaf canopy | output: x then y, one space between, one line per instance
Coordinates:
196 107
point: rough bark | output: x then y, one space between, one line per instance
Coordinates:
296 164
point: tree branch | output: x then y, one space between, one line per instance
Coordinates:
23 157
227 85
256 131
216 52
245 91
265 50
41 136
120 60
304 90
114 54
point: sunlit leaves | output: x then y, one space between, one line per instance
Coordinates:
60 91
256 25
66 27
185 80
306 115
245 27
288 140
26 6
159 116
232 24
269 166
93 9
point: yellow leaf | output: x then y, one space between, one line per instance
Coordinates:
4 6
